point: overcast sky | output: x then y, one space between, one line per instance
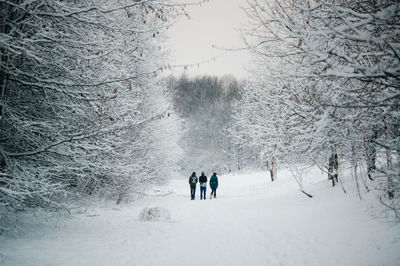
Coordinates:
214 23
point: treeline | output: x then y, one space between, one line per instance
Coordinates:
76 103
205 105
326 89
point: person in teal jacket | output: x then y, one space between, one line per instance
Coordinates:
213 185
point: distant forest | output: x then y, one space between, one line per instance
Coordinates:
205 105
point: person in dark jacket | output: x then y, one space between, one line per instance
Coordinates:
193 183
213 185
203 185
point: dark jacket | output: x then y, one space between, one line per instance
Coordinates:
214 182
202 179
193 180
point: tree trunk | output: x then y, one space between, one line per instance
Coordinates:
238 158
371 156
333 169
390 189
272 169
355 165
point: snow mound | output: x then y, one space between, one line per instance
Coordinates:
154 214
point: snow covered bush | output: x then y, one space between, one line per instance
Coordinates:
154 214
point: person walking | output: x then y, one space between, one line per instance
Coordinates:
193 183
213 185
203 185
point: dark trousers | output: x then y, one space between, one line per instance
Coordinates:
192 191
203 192
213 192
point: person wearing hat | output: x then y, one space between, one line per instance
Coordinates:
213 185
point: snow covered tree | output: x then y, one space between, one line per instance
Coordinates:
331 69
73 79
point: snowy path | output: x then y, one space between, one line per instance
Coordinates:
253 222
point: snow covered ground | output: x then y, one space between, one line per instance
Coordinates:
252 222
